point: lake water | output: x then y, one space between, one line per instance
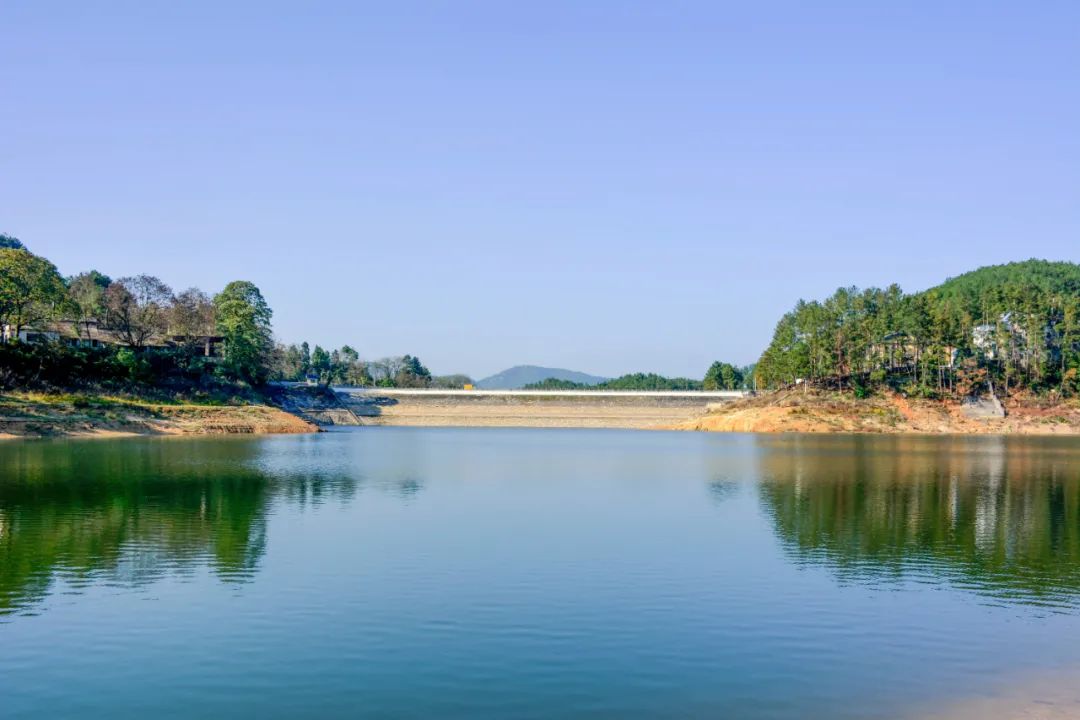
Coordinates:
491 573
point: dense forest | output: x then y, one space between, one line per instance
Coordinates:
1006 328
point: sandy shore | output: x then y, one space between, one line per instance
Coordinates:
795 411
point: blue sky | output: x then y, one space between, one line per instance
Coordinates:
606 186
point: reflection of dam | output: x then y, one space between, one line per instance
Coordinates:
530 408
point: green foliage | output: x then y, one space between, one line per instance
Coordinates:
412 373
31 290
53 366
556 384
163 331
1017 324
11 242
297 363
43 366
243 319
724 376
344 367
136 366
633 381
321 366
649 381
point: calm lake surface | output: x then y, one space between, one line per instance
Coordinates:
490 573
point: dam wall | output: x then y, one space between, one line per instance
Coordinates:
520 408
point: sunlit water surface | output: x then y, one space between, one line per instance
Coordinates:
386 572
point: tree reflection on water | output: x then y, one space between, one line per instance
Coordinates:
996 516
132 512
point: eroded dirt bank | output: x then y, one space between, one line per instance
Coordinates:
33 415
815 412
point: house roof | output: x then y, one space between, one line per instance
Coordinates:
93 330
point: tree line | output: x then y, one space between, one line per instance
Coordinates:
150 329
343 366
1009 327
719 376
139 329
154 333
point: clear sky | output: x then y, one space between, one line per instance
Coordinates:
606 186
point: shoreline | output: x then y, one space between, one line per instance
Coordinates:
29 416
823 412
775 412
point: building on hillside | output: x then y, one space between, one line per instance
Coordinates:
90 333
900 350
987 338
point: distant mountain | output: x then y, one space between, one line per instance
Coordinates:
522 375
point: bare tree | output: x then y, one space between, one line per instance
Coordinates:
191 316
386 369
138 308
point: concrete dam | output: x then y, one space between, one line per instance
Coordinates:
529 408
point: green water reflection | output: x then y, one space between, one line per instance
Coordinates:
996 516
130 512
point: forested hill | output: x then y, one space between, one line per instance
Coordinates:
1041 276
1007 326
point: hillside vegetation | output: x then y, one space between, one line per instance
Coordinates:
831 411
1006 328
633 381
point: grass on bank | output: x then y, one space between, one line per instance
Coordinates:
29 402
44 414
